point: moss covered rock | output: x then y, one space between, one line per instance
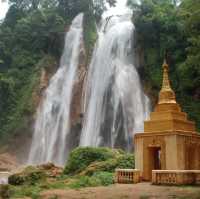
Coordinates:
125 161
31 175
88 160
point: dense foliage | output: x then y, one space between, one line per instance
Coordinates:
32 34
86 167
31 38
88 160
171 28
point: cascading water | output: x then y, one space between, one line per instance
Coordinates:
115 105
52 125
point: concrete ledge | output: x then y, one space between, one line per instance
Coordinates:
127 176
176 177
4 177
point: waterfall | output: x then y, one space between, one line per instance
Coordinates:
115 104
52 126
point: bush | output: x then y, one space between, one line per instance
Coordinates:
29 176
87 161
81 158
108 166
98 179
25 191
125 161
105 178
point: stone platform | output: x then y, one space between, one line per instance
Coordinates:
166 150
4 177
176 177
127 176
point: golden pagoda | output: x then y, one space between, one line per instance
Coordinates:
169 141
167 115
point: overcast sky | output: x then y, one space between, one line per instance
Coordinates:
3 9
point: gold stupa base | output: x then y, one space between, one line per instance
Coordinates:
169 141
166 150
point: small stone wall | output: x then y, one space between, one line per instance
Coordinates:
4 177
176 177
127 176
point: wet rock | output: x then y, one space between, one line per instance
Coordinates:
31 175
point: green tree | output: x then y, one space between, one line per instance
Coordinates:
190 70
164 26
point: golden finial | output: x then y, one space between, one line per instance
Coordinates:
166 95
165 65
166 83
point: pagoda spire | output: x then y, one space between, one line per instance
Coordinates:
166 94
167 115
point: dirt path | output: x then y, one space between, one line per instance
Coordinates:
137 191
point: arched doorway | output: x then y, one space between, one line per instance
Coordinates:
154 154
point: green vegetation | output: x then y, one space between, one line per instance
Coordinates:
4 191
31 39
30 176
77 173
165 27
81 158
26 39
88 160
98 179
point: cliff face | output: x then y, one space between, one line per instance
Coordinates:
18 145
76 103
43 84
76 106
77 99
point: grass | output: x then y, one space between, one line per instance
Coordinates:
64 182
144 197
86 167
25 191
97 179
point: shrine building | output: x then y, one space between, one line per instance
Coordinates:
169 149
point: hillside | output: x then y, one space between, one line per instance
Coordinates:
31 43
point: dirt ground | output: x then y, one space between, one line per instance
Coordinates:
119 191
7 162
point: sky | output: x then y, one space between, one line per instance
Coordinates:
3 9
118 9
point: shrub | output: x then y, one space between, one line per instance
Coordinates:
108 165
105 178
87 161
81 158
98 179
125 161
29 176
25 191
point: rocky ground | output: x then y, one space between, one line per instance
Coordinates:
137 191
7 162
88 174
